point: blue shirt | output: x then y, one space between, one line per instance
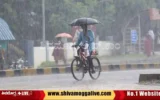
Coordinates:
90 41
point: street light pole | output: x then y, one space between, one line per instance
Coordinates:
43 18
139 23
43 27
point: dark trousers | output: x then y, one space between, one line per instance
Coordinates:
90 61
88 58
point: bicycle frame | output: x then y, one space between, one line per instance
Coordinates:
81 55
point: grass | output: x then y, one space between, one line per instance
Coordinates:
109 59
47 64
128 56
124 56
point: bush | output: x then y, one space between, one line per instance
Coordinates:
47 64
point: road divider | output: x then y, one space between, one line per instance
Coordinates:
144 78
60 70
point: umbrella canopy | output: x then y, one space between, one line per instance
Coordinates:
66 35
84 21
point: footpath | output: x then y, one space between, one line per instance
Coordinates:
125 59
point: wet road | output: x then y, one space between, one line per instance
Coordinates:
107 80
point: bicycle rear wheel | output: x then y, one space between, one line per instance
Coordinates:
96 67
77 66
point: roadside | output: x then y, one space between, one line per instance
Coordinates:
121 59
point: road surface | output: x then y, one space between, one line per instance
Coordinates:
108 80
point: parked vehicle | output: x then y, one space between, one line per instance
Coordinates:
18 64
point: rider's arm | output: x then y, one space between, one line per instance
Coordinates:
79 39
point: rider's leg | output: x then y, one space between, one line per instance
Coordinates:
88 55
90 62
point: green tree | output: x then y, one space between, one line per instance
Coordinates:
62 14
126 9
25 16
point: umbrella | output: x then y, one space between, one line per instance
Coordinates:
63 35
84 21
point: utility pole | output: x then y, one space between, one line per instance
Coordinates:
43 27
139 23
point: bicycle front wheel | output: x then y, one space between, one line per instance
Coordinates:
77 69
97 68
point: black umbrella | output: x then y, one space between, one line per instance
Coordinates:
84 21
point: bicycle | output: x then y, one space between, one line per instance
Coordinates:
83 65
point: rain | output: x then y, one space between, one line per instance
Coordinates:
38 34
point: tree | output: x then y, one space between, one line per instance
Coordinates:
25 16
126 9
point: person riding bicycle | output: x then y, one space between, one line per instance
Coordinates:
87 36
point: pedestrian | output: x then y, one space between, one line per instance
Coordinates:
58 52
148 45
151 33
158 39
1 58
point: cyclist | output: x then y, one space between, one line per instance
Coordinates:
87 36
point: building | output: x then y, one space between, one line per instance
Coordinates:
5 36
